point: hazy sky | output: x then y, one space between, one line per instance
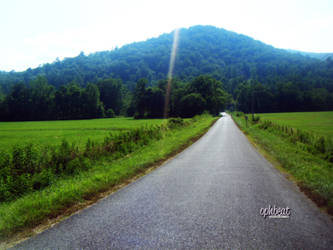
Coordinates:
34 32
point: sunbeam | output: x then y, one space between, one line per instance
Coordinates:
171 66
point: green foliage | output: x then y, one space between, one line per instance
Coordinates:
112 94
239 113
110 113
139 98
92 105
69 101
192 104
185 100
255 118
211 91
175 123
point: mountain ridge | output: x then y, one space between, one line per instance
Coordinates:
223 54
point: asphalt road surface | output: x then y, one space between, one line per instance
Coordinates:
209 196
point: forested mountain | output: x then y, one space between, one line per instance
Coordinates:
321 56
259 77
202 50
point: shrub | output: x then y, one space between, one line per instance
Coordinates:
76 165
42 179
110 113
137 115
303 136
320 144
175 123
239 114
265 124
255 119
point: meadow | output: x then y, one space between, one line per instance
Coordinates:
77 131
320 123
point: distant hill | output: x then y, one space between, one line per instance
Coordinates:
321 56
225 55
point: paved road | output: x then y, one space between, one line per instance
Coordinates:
208 196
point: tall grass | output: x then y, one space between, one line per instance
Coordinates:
313 143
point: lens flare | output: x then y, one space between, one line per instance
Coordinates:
171 66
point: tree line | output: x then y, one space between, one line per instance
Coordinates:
42 101
107 98
186 99
252 96
111 97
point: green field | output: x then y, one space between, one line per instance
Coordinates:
53 132
317 122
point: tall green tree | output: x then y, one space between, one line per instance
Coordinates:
69 102
211 91
139 98
154 102
42 99
92 106
18 102
192 104
111 94
289 97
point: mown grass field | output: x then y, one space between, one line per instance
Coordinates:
301 144
77 131
316 122
104 173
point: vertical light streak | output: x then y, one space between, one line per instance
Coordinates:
171 66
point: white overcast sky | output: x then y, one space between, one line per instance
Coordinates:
34 32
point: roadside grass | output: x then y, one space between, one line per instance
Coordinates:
293 149
33 208
74 131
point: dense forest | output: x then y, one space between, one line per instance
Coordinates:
243 74
107 98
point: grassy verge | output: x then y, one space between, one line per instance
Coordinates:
106 173
309 167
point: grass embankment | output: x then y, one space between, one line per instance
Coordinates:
307 156
105 173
